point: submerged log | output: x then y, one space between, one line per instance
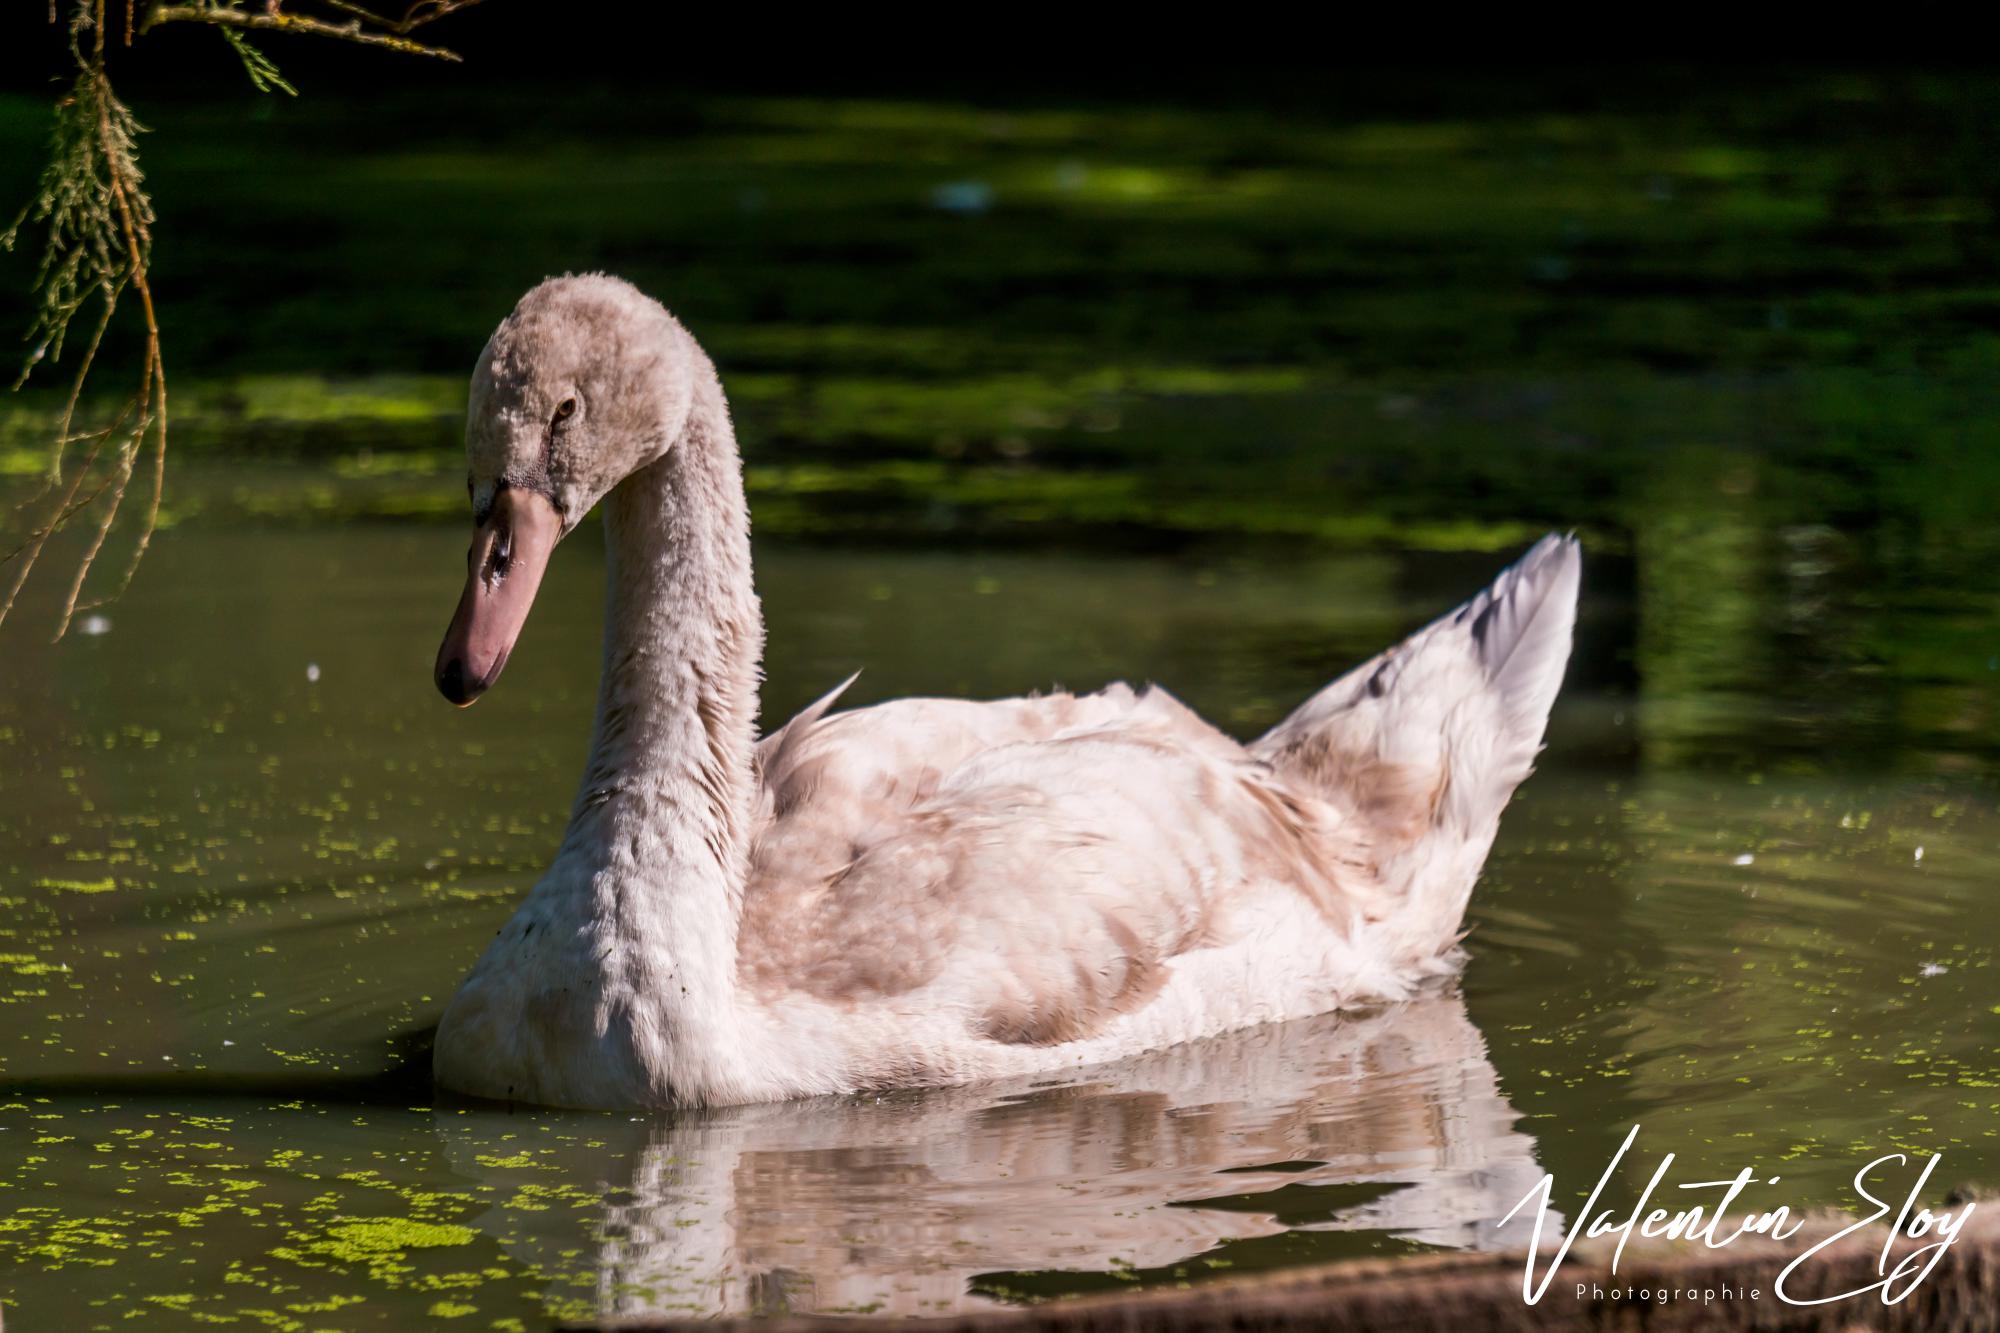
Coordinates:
1459 1292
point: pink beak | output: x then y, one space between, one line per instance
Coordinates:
510 550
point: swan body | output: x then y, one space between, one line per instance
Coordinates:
926 891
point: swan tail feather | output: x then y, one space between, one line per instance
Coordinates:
1426 742
777 753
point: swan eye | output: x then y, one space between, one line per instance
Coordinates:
564 411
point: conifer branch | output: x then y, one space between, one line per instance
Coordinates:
91 205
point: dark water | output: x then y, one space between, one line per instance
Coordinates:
1224 398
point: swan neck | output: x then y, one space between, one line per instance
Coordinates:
683 640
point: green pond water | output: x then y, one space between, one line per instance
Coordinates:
1034 395
248 852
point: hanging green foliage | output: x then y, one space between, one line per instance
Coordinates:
96 220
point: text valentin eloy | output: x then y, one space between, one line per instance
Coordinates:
1713 1225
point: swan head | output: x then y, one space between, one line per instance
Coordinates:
586 382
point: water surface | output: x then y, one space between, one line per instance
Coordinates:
248 852
1226 398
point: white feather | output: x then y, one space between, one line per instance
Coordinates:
931 891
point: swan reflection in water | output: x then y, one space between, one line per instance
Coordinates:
1389 1122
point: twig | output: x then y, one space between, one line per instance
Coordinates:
29 551
152 415
362 12
109 130
430 11
117 485
271 20
71 506
63 435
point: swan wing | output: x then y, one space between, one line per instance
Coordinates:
1031 864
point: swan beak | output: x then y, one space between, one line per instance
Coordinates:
509 552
